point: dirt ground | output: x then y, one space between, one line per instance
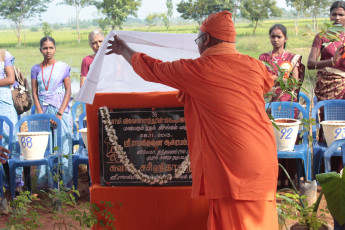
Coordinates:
48 222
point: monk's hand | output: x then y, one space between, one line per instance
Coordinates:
116 46
3 153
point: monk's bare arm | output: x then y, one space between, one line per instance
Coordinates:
120 47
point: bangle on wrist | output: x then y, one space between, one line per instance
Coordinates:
332 60
58 113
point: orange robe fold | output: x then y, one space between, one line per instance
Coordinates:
230 137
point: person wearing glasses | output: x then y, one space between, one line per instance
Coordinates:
96 38
230 137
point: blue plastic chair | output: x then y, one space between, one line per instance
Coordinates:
81 156
334 151
33 109
36 123
4 119
75 137
333 110
286 109
306 99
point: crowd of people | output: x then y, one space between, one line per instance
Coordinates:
51 93
237 170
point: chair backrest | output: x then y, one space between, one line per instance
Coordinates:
41 122
81 125
5 121
33 109
333 110
306 99
74 111
286 109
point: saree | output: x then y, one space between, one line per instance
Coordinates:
7 109
293 60
50 100
330 82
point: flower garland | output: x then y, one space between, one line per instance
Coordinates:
158 179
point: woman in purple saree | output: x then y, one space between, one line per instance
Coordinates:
51 91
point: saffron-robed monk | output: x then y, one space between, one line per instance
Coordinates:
231 141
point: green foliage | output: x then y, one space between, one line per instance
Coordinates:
198 10
169 4
34 29
78 4
21 10
169 14
333 186
66 211
331 31
46 29
317 7
152 19
24 214
255 10
298 5
307 124
292 206
107 220
286 82
116 12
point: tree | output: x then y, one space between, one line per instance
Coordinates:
255 10
78 4
152 19
169 14
236 4
317 7
116 12
198 10
18 11
46 29
299 7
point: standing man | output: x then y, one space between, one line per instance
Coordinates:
231 141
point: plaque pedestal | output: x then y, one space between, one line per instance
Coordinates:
153 208
142 207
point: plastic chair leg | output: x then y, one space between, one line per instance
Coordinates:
75 163
27 177
12 181
1 183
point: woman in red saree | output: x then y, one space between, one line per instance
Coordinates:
330 82
293 66
288 61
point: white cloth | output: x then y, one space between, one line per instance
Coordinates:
112 73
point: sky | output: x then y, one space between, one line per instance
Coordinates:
62 13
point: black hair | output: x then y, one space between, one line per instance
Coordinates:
337 4
47 38
281 28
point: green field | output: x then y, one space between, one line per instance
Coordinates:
69 51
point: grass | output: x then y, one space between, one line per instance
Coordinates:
69 51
